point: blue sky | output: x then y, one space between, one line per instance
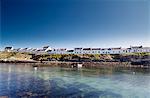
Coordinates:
75 23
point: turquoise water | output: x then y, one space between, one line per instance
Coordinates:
23 81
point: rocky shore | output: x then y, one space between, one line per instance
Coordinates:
84 64
87 60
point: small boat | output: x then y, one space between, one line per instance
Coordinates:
134 73
35 67
79 65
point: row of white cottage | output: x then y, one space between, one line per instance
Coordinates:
49 50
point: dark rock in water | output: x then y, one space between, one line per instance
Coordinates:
4 97
24 94
136 63
141 63
35 66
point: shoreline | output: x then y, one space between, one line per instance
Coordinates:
84 64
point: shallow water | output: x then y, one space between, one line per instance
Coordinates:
20 80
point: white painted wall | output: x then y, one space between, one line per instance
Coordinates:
81 51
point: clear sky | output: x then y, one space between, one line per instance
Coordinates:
75 23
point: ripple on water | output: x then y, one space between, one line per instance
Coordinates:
58 82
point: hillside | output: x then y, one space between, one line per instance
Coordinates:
73 57
94 57
15 56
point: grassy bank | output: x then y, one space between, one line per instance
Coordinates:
15 56
93 57
88 60
74 57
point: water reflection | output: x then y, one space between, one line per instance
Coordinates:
52 82
77 90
